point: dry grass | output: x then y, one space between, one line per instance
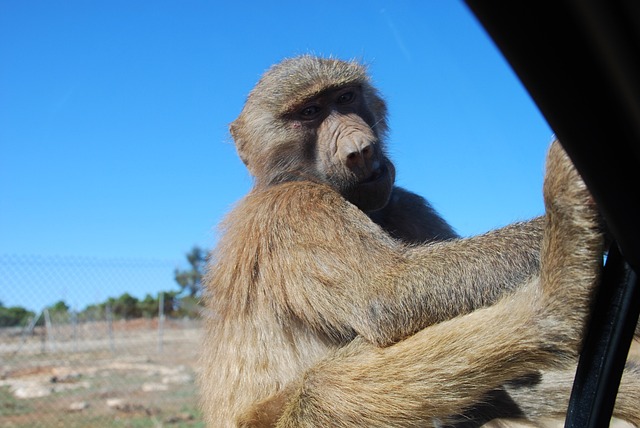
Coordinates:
126 382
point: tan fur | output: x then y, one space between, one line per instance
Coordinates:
327 314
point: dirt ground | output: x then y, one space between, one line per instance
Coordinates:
121 379
118 378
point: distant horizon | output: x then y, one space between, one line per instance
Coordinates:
65 278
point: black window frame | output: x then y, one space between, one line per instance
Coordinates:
580 62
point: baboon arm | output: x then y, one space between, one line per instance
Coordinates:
336 270
436 373
449 366
447 279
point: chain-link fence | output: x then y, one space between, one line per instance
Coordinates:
95 343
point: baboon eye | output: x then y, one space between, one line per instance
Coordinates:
346 97
309 112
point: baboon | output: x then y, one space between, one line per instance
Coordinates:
335 298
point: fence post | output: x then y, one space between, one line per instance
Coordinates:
74 323
27 331
49 328
110 328
160 320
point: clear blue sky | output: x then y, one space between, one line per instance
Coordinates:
114 115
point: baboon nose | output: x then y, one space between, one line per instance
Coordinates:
358 159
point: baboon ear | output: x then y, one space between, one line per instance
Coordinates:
239 141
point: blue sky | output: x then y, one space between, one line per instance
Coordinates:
113 121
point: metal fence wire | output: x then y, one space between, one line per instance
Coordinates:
80 347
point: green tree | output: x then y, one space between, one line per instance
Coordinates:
14 316
60 307
59 312
170 299
148 306
93 312
125 306
190 280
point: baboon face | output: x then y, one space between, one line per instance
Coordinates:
317 119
